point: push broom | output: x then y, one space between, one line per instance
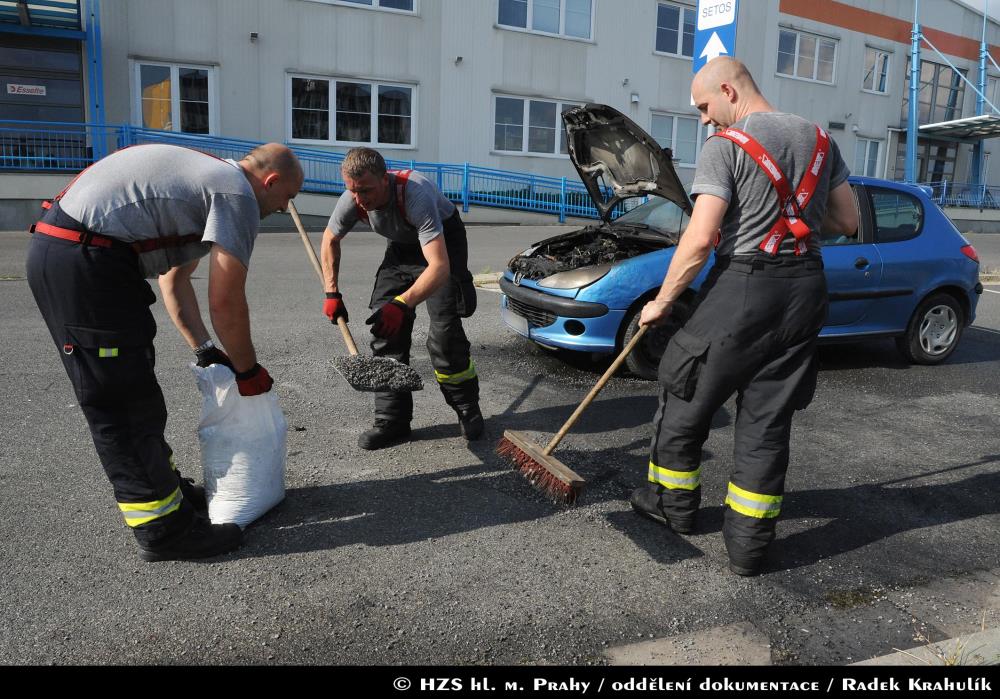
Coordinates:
543 470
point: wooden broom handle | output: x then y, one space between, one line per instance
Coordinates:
341 323
595 390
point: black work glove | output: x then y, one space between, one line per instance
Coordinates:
387 321
213 355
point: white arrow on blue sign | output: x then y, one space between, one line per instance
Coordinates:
715 31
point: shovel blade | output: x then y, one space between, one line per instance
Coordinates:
377 374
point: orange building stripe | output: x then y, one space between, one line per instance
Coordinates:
855 19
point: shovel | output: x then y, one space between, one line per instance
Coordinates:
361 372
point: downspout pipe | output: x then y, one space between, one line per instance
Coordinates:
911 119
976 166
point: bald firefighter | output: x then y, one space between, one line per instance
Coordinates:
765 185
144 212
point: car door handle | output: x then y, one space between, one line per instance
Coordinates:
861 263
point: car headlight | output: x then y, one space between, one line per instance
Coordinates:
575 278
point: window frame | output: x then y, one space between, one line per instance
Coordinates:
878 155
680 31
872 191
331 81
135 77
798 41
888 66
376 6
561 34
700 139
526 125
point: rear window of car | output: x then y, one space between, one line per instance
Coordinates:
898 215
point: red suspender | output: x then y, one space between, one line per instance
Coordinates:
402 176
790 214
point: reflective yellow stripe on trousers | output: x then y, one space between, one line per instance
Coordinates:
753 504
674 480
461 376
137 513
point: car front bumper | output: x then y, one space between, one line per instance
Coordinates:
556 321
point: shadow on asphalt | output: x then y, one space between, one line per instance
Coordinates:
977 346
864 514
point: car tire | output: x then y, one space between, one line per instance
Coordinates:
933 331
644 360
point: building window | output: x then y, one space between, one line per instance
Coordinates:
402 5
866 157
941 95
572 18
529 126
876 71
675 29
351 112
175 97
681 134
806 56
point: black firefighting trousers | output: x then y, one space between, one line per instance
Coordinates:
446 340
753 332
95 303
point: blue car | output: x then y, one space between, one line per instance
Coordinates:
908 273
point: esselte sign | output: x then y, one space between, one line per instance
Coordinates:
33 90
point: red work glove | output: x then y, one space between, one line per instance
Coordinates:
334 307
387 321
254 382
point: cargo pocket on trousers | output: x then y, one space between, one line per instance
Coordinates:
465 295
681 364
112 366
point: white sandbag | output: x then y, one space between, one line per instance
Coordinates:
242 448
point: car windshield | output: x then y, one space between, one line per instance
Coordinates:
657 213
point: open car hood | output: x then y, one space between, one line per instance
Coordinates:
604 144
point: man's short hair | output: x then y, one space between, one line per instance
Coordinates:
358 161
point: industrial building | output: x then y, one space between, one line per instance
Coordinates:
483 81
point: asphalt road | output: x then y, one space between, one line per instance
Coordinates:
437 553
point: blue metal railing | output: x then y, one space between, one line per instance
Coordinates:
51 146
963 194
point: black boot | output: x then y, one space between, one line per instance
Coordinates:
647 500
385 433
471 421
201 540
194 494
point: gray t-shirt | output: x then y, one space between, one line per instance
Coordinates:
426 208
155 191
725 170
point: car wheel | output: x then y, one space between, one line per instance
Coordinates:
933 331
644 360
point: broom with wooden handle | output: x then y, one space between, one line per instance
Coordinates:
543 470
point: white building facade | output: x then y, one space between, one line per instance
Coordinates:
484 81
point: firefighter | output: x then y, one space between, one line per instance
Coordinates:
754 327
143 212
426 260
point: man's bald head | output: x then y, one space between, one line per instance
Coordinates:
275 175
275 157
725 70
725 92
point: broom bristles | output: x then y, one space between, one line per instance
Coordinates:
536 473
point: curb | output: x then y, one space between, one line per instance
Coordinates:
975 649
